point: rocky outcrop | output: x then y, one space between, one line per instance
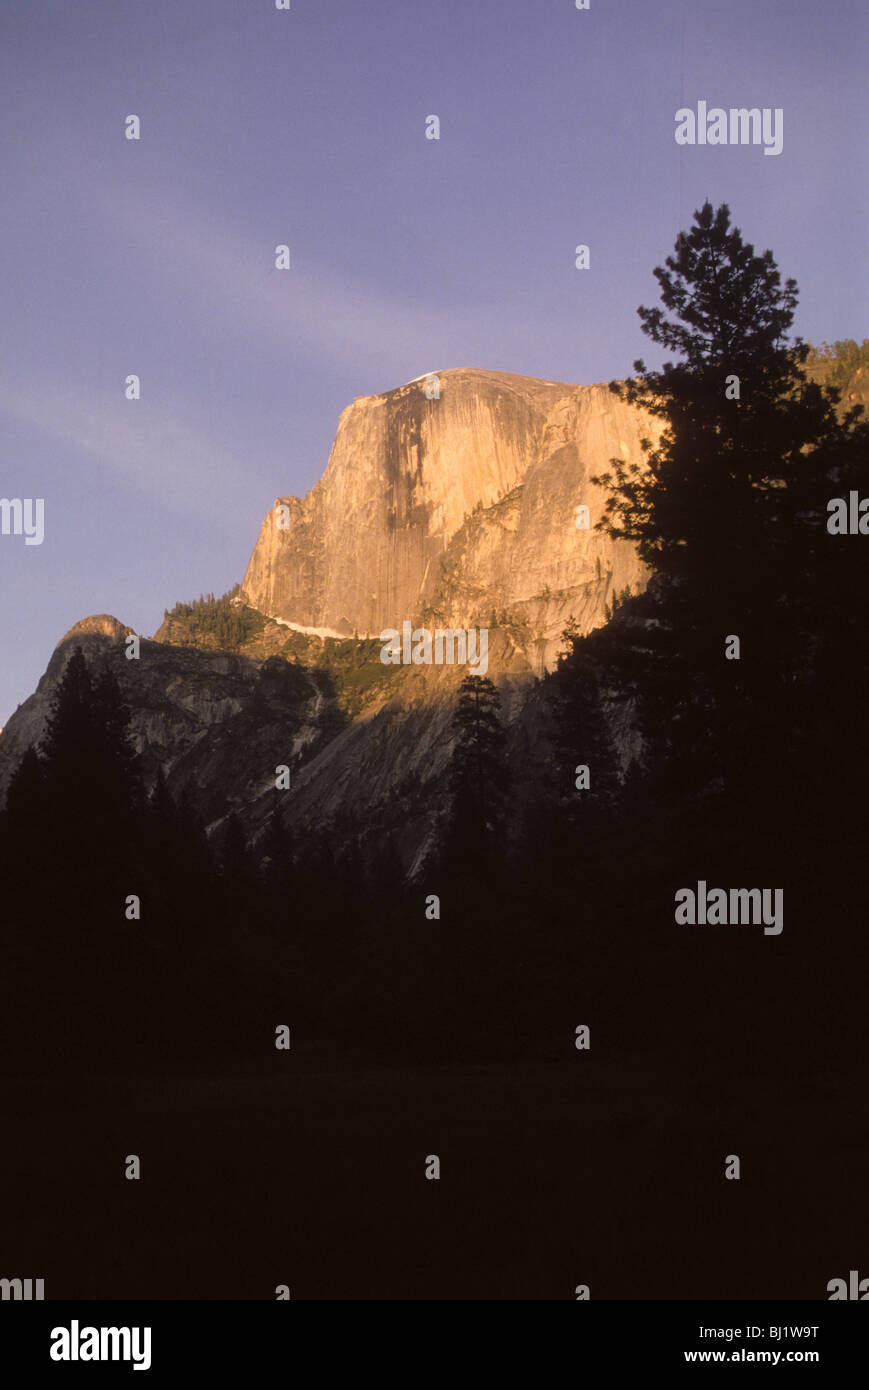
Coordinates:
217 724
97 625
456 507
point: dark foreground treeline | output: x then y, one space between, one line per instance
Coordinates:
131 942
748 771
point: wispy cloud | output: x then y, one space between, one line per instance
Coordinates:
332 316
148 450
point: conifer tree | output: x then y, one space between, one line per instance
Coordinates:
729 510
92 781
582 735
478 773
24 842
88 759
25 800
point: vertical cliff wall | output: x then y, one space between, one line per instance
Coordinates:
454 506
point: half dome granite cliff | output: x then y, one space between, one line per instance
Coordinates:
455 507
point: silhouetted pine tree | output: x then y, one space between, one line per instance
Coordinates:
754 765
582 735
478 779
91 776
729 511
24 849
75 826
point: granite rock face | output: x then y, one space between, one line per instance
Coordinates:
217 723
453 508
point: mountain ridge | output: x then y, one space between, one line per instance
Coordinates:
364 738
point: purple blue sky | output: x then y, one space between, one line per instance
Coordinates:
308 127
